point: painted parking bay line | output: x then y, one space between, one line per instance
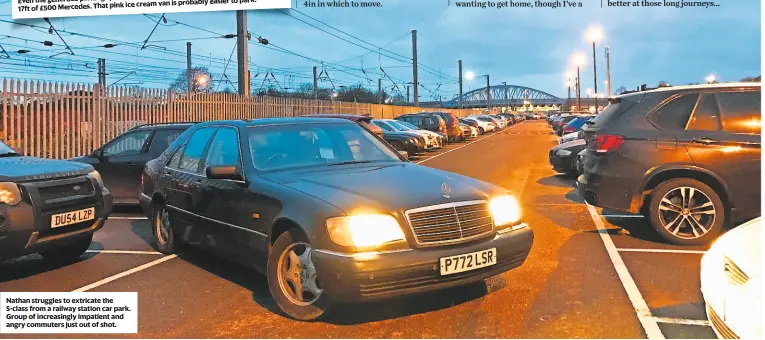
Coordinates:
670 251
646 318
130 252
128 218
679 321
125 273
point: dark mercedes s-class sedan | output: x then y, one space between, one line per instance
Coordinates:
329 212
49 207
687 158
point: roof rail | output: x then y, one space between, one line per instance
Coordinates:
158 124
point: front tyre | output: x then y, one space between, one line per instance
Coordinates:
164 238
293 280
685 211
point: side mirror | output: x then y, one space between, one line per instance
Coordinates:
97 153
229 172
404 154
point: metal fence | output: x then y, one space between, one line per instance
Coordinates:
65 120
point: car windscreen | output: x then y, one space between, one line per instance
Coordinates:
484 119
399 126
6 150
278 147
408 125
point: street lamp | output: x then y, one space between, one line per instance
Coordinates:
594 34
578 60
569 75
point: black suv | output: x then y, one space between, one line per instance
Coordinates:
687 158
50 207
121 160
329 212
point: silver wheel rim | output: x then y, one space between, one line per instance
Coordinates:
297 275
687 213
162 225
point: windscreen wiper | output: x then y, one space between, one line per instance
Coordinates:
10 154
350 162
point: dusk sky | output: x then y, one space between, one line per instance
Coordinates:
528 47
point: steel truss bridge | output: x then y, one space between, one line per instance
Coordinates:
501 96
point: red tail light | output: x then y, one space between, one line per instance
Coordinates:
475 125
454 123
608 142
568 129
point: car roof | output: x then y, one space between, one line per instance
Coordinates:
691 87
352 117
161 126
277 121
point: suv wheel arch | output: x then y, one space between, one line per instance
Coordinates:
660 175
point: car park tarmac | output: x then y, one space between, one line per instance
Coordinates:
591 273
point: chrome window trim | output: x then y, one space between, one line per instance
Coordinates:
216 221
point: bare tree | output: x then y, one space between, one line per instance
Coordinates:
202 81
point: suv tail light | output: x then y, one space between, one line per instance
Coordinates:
568 129
608 142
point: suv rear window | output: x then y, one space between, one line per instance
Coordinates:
675 114
615 108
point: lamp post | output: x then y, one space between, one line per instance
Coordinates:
594 34
569 75
578 60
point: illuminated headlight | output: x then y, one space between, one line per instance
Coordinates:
504 210
95 175
364 230
9 193
563 152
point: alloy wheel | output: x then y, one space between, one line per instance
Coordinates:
297 275
162 225
687 212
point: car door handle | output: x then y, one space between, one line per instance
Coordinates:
129 164
705 141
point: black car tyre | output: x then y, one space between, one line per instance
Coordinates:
164 238
68 253
397 145
293 280
480 130
685 211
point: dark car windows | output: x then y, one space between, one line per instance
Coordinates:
383 126
279 147
194 149
674 115
224 149
162 140
127 145
740 112
706 117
